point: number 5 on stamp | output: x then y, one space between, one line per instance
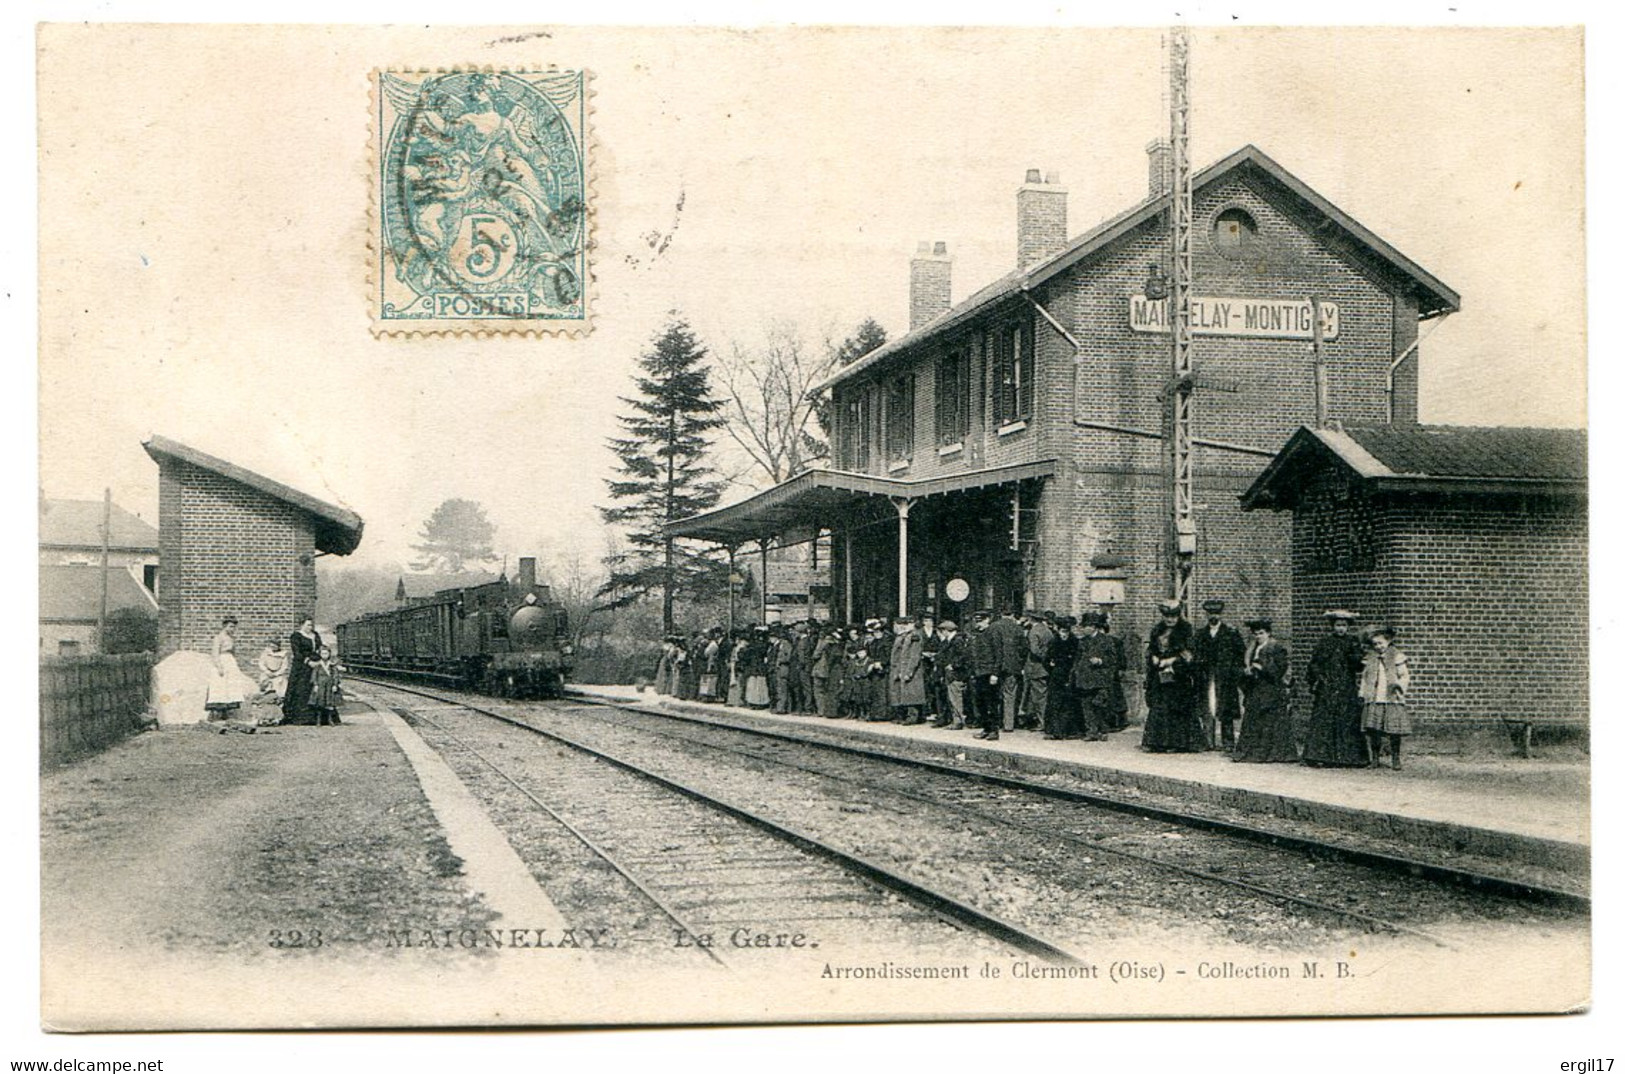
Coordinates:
481 202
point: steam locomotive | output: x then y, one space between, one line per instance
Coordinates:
510 639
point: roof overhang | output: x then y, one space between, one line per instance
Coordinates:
337 530
820 498
1277 487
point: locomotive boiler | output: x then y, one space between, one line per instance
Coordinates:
507 638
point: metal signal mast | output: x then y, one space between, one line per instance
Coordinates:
1182 494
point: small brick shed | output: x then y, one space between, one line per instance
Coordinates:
232 541
1470 541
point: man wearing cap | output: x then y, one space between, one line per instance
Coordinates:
1094 672
1012 649
825 658
879 681
953 671
1334 739
1220 656
1035 672
984 666
930 642
907 674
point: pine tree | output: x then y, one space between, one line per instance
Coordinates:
665 475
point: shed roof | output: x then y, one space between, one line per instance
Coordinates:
1430 458
337 529
74 593
1433 297
78 524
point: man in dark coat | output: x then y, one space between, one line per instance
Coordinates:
1117 719
803 639
953 671
878 642
1220 657
1094 674
930 643
1061 708
985 673
1035 672
1012 656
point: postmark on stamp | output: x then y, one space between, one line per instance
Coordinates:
482 215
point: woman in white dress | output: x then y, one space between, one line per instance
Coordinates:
225 689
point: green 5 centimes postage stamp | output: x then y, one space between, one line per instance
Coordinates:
482 202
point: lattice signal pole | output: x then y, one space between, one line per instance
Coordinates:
1183 536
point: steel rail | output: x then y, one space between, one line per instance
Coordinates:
602 854
937 902
1503 887
1066 835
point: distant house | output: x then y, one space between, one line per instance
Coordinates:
1472 542
70 555
239 543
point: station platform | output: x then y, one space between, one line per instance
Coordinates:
1528 811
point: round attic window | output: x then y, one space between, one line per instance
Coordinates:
1234 232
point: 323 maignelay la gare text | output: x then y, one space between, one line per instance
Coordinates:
1119 971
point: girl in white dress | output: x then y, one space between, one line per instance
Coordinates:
225 695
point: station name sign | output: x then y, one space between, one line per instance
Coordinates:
1222 315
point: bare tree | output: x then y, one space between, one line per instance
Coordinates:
771 413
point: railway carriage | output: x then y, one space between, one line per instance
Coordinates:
508 638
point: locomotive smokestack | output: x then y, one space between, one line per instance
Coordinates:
527 573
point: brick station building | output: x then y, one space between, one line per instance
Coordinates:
233 542
1471 542
1012 443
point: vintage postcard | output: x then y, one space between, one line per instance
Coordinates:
1046 523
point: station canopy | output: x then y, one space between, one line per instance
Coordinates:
824 499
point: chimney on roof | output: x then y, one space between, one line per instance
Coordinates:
527 573
1161 160
1040 218
928 283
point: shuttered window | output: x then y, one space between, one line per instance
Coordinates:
953 396
900 419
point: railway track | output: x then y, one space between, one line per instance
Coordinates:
1561 898
724 877
1051 816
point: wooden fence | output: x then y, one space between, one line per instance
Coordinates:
89 702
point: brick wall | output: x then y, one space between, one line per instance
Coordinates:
1488 596
229 549
1110 491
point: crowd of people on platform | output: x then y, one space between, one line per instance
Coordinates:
1206 686
301 678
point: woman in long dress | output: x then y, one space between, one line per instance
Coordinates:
1385 680
1266 723
1171 722
225 694
302 644
1334 739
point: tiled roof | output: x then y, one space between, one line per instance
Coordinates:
1444 459
1459 451
337 529
75 593
1433 296
78 524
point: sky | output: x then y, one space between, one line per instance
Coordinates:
205 227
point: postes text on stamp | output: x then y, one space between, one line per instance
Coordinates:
482 214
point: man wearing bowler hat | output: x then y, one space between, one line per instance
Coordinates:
1220 655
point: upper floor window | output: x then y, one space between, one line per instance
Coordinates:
953 396
855 430
1013 373
900 419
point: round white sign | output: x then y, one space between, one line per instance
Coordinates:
957 589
